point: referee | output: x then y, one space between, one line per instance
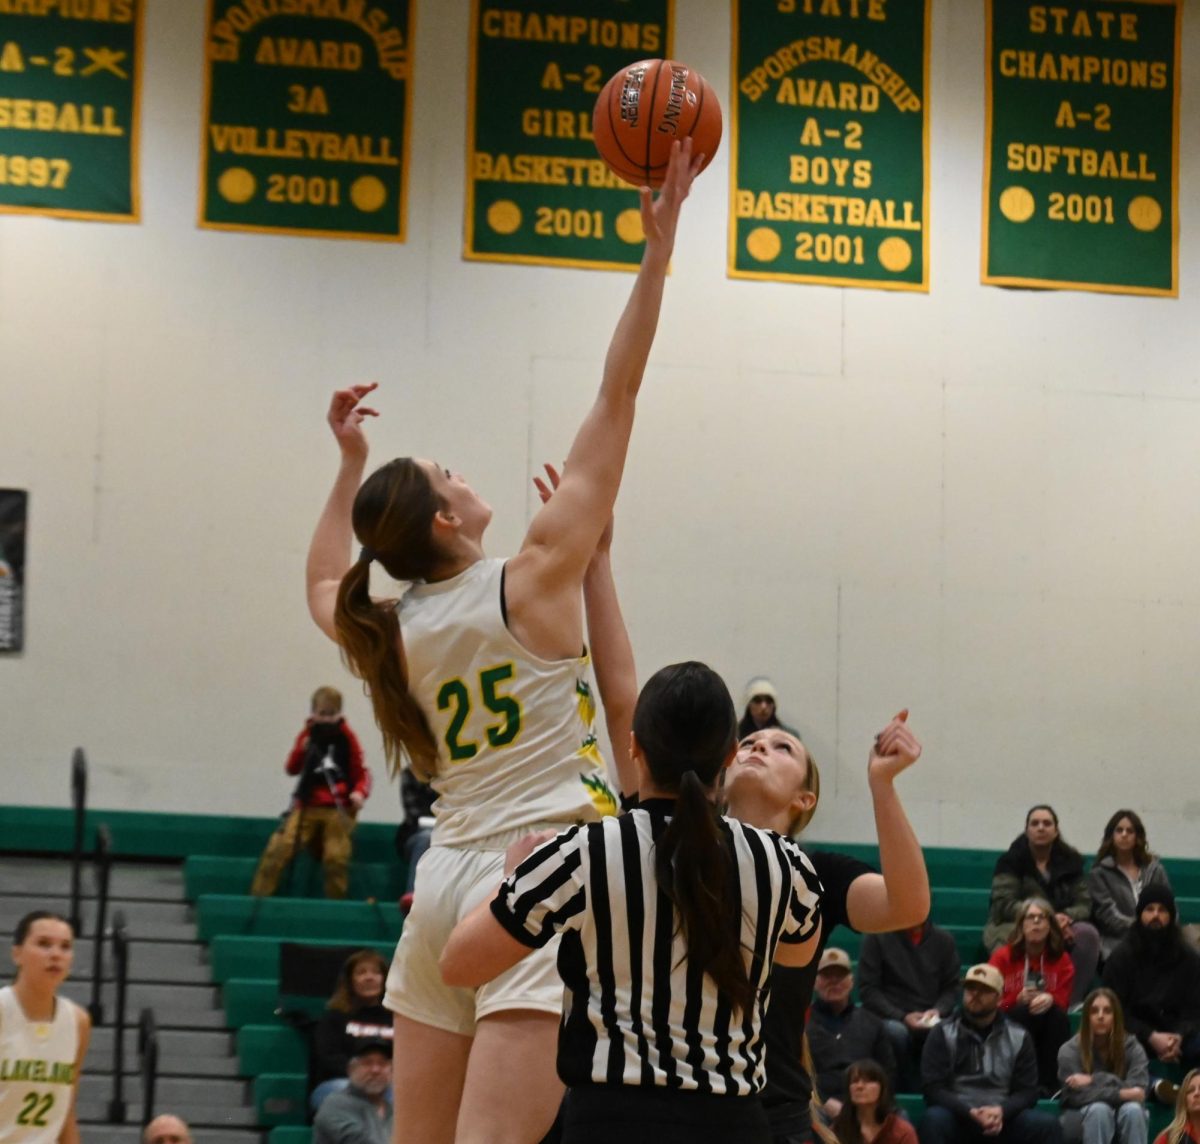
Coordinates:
671 919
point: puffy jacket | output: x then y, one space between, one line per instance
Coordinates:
1017 878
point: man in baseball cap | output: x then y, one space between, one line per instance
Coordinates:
840 1032
980 1075
360 1113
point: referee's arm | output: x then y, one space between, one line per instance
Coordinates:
480 948
539 895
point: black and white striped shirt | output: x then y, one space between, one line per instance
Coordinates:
634 1011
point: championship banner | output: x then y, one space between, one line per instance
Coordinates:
537 191
830 165
1082 183
70 86
306 122
13 508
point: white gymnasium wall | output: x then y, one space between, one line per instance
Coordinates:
981 504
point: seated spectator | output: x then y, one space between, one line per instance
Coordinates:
760 712
1124 867
355 1014
1038 976
414 834
910 980
869 1115
361 1113
333 786
1040 864
1156 974
1104 1076
1185 1128
980 1073
167 1130
840 1032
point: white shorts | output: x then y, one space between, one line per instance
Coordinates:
451 882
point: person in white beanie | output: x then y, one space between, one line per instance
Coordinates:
761 700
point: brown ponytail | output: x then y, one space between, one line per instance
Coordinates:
685 725
393 516
693 864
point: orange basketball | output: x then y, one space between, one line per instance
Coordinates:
644 108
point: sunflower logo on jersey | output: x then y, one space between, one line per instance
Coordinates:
600 792
586 702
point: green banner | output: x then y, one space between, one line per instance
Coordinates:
537 191
70 76
830 166
1081 190
306 117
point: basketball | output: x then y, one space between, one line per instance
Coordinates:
644 108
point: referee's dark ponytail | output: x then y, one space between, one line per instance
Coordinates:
686 726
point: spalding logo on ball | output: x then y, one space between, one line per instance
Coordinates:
644 108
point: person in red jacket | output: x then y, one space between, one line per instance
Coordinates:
334 783
1038 977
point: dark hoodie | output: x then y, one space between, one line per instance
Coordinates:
1017 878
1156 974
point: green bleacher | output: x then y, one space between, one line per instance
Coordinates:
244 934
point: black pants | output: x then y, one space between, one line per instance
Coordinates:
629 1114
1048 1031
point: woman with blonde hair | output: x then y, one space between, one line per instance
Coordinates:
1185 1128
1105 1075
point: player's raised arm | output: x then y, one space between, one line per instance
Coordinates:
330 551
563 535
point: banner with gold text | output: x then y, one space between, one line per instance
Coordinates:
830 166
70 86
306 120
537 191
1081 190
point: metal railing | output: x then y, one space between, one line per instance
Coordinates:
117 1107
147 1043
103 859
79 802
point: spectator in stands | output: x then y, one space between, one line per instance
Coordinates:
1038 976
980 1073
1040 864
760 712
1156 974
1185 1128
1104 1076
334 784
1123 868
840 1032
167 1130
355 1014
910 980
869 1115
361 1113
412 839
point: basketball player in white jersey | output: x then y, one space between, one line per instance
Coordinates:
477 676
43 1037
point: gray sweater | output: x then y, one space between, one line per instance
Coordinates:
1114 899
1105 1087
349 1117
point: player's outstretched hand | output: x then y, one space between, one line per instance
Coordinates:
895 749
346 416
660 215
